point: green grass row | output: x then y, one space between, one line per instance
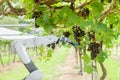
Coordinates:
113 68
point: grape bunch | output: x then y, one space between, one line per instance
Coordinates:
36 1
51 45
66 34
109 1
94 48
101 1
85 12
78 33
111 26
91 36
36 15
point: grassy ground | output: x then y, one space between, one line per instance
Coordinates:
113 69
18 72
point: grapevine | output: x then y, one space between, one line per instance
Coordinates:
78 34
36 1
99 16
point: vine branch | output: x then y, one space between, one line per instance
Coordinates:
110 7
72 4
1 2
104 71
12 8
84 4
102 65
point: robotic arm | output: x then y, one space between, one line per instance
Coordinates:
19 47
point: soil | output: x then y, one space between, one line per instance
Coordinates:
10 66
69 70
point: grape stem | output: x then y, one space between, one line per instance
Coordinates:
104 71
72 4
102 66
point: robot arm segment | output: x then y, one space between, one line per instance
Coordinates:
19 47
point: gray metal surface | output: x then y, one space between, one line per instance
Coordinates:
15 25
36 41
31 66
35 75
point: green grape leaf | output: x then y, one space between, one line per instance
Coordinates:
88 68
97 8
39 21
46 18
68 17
86 58
111 19
101 56
29 4
48 28
72 18
41 7
85 24
52 21
59 4
100 27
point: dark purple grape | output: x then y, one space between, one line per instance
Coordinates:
66 34
36 1
101 1
94 48
78 33
109 1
